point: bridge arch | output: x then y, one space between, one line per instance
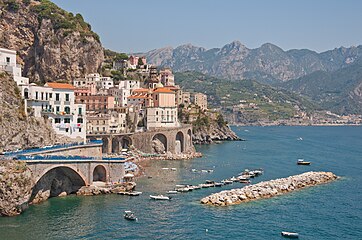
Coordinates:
99 174
57 179
180 143
126 142
115 145
159 143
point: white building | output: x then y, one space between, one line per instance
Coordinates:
200 100
104 83
126 87
163 113
68 118
37 97
8 64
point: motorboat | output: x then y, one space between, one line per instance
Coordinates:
234 179
185 189
227 181
160 197
129 215
165 168
219 184
180 185
302 162
172 192
290 234
135 193
247 181
194 170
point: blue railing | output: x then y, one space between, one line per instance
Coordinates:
52 147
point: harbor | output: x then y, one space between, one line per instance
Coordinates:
184 216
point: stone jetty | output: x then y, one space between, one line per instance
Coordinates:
268 189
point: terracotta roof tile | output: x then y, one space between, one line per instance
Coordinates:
163 90
60 85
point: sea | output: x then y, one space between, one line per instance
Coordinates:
329 211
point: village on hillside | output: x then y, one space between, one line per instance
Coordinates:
96 104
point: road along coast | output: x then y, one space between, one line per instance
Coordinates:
268 189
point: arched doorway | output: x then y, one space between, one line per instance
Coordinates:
179 143
56 181
159 143
99 174
26 93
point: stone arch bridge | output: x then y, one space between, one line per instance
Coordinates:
174 140
57 176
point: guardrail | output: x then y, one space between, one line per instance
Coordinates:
52 147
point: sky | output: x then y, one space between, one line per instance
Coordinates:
133 26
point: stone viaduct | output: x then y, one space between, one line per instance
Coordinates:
174 140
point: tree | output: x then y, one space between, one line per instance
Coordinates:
140 62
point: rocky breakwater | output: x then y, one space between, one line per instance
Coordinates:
268 189
15 187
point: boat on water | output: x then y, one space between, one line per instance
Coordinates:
172 192
135 193
160 197
227 181
219 184
173 169
247 181
129 215
302 162
234 179
184 189
290 234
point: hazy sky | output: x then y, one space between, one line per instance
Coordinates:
142 25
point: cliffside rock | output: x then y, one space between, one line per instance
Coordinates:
158 146
52 43
206 135
15 187
17 130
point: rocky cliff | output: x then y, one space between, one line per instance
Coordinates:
268 63
15 187
17 130
208 127
52 44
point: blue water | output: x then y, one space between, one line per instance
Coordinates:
331 211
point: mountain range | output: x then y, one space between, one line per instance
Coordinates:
268 63
331 79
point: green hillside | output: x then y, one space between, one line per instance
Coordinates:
339 91
270 103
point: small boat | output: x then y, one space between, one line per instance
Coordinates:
245 181
204 171
165 168
204 185
180 185
209 182
159 197
290 234
129 215
194 170
185 189
234 179
302 162
210 171
300 139
173 169
172 192
196 187
227 181
219 184
130 193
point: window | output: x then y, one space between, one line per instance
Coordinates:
46 96
80 120
67 97
80 129
67 129
42 106
50 95
57 120
57 109
80 111
66 120
7 59
57 97
156 112
67 110
36 95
